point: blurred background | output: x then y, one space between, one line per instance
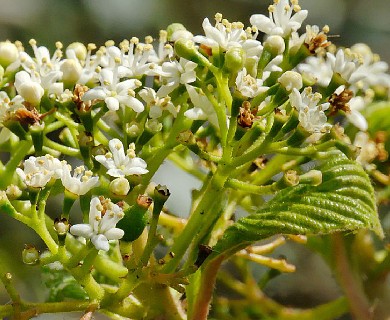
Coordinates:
48 21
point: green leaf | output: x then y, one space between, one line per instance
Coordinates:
343 202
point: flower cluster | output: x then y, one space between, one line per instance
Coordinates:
245 109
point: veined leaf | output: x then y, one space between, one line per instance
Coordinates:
343 202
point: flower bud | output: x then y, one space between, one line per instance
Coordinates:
79 50
71 71
177 31
234 59
30 254
120 186
275 45
8 53
290 80
186 49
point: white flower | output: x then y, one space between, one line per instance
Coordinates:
345 64
249 86
203 108
372 71
175 73
280 21
7 105
137 61
317 68
118 163
30 90
115 93
43 69
80 182
38 172
311 115
103 217
157 103
224 34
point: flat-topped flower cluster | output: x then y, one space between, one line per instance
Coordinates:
140 83
248 110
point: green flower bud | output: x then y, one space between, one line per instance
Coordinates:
30 254
234 59
176 31
186 48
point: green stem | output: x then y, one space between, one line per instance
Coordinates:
251 188
200 218
61 148
21 150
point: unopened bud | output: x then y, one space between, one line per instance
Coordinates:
30 254
8 53
234 59
290 80
176 31
186 49
120 186
79 49
31 91
275 45
71 71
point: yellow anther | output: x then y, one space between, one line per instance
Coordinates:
148 39
91 46
134 40
109 43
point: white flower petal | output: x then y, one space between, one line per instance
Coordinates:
114 234
81 230
100 242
